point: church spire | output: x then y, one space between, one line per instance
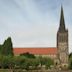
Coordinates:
62 22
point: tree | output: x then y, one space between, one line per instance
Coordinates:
70 55
19 61
46 61
34 63
49 62
3 62
11 62
70 61
7 47
7 62
42 60
28 55
25 63
0 48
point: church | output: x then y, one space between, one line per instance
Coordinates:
59 53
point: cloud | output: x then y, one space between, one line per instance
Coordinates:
33 22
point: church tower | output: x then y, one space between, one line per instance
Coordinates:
62 41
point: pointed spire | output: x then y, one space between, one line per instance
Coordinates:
62 22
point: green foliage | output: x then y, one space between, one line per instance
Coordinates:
27 55
33 63
0 48
6 62
70 55
49 63
46 61
7 47
21 62
70 61
11 62
25 63
42 60
3 62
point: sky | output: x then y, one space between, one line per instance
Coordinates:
34 23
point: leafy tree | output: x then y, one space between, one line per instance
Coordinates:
70 61
28 55
7 47
49 62
7 62
11 62
46 61
70 55
42 60
19 61
3 62
0 48
31 64
34 63
25 63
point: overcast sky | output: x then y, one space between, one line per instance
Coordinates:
33 23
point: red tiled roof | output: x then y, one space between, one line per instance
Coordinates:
35 50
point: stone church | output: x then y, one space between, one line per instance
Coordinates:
59 53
